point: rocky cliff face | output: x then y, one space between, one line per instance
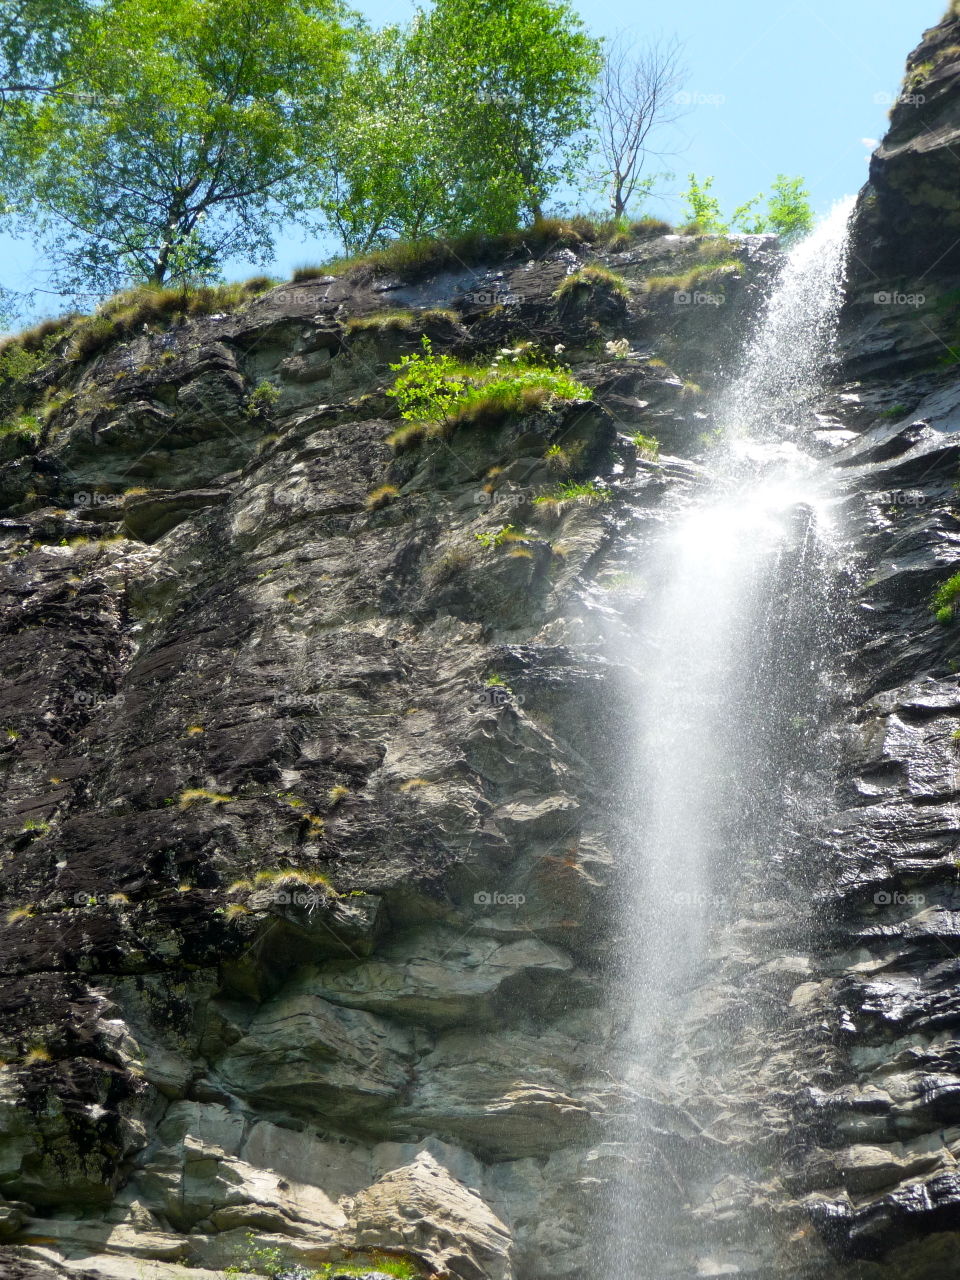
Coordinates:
309 921
314 805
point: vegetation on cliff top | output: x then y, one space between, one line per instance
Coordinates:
151 141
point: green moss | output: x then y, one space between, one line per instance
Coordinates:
647 446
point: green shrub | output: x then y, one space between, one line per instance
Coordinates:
497 537
261 399
436 393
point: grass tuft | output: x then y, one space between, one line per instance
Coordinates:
397 321
945 600
714 272
198 795
381 497
595 279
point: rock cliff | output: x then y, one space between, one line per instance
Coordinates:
314 797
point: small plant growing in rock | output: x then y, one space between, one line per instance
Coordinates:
588 492
36 826
262 399
619 348
201 795
647 446
336 794
496 538
945 599
595 279
36 1055
435 393
381 497
19 913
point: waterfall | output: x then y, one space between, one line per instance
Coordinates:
728 657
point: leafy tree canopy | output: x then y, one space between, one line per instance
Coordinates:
462 121
192 128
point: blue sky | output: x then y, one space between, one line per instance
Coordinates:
799 87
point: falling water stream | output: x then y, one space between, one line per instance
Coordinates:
730 680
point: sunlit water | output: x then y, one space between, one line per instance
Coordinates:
728 679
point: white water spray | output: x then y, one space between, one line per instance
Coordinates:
728 670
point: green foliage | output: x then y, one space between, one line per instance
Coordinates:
274 1261
702 207
437 392
649 446
945 599
128 312
191 130
398 321
413 258
262 399
587 492
788 213
895 411
460 121
497 537
428 386
26 425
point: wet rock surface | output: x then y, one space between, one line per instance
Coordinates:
311 928
308 923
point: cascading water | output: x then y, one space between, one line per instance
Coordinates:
729 688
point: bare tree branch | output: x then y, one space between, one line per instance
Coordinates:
637 95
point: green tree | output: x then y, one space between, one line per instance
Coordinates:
788 209
515 80
387 162
702 208
788 213
191 130
35 38
463 120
